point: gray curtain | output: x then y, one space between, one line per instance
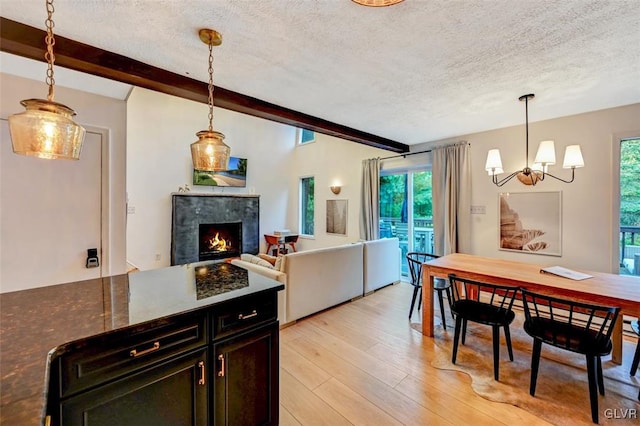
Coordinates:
451 172
370 211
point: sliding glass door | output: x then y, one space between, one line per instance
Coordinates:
406 210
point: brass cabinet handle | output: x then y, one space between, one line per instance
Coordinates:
202 373
134 352
221 359
253 313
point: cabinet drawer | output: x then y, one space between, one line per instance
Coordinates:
244 313
105 358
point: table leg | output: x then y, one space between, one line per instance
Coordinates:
616 339
427 302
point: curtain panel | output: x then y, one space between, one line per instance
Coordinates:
370 211
451 173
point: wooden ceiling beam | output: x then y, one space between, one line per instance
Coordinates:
23 40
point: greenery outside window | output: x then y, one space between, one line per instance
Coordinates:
307 205
306 136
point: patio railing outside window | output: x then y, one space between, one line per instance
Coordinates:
630 250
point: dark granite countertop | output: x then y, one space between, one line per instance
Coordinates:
33 323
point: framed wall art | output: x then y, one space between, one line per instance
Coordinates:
337 217
531 222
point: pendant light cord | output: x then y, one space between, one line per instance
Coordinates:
210 87
49 56
526 109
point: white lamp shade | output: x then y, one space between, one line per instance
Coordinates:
573 157
546 153
494 162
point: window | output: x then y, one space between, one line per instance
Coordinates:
307 205
306 136
406 210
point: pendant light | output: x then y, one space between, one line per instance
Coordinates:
46 129
209 152
545 157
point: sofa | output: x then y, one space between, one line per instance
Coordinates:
321 278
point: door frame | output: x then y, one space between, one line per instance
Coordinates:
616 140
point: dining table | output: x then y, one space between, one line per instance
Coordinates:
601 288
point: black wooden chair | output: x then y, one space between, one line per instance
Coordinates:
574 326
483 303
440 285
636 358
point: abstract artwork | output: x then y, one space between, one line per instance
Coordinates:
531 222
337 217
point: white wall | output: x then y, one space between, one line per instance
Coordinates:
97 112
160 129
330 160
587 225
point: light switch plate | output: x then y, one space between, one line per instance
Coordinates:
478 209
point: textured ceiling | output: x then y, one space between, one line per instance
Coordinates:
419 71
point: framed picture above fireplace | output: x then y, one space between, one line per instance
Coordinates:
235 176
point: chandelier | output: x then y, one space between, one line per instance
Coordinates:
46 129
377 3
209 152
545 157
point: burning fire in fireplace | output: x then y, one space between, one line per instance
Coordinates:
218 244
220 240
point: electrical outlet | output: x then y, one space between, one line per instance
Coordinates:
478 209
158 257
131 210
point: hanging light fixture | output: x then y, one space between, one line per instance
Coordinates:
545 157
209 152
46 129
377 3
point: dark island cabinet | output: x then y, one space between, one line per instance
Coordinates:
246 378
173 392
217 365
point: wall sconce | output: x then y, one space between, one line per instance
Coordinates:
335 189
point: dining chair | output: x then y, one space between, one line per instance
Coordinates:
440 285
578 327
635 326
482 303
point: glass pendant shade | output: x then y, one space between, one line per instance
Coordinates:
209 152
572 157
46 130
377 3
494 163
546 153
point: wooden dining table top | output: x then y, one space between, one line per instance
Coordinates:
608 289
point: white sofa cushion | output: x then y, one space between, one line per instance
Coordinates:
321 278
256 260
381 263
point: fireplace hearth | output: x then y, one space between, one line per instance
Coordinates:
219 240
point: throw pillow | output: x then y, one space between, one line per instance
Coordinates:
255 260
270 259
279 263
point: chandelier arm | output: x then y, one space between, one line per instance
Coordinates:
573 170
504 180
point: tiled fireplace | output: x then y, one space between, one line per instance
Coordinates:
211 226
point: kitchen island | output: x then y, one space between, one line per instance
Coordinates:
65 349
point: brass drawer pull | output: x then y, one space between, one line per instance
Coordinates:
221 359
134 353
202 373
253 313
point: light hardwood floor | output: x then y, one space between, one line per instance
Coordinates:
361 363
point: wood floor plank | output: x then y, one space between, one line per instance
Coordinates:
355 408
286 418
384 396
363 357
372 365
305 406
301 368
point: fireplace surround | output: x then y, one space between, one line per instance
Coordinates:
190 211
